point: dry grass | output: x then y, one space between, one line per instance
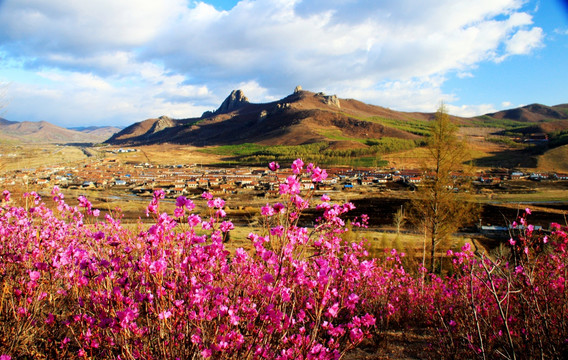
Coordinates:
168 154
31 156
539 195
554 160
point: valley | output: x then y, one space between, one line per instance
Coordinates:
375 158
115 178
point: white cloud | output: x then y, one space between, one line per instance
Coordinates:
471 110
69 26
171 56
81 96
465 74
524 41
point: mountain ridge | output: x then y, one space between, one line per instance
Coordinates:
306 117
46 132
296 119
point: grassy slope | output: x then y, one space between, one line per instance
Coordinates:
554 160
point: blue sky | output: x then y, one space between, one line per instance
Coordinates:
108 62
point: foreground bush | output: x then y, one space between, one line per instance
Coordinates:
96 290
74 286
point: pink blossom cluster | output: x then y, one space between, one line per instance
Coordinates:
75 286
511 304
173 291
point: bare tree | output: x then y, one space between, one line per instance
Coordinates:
399 219
440 205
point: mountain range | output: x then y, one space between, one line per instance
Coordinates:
307 117
303 117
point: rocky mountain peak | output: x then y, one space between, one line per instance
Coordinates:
233 102
162 123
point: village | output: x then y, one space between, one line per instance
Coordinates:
143 178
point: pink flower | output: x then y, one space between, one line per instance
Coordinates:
293 185
368 320
297 166
267 210
218 203
159 194
226 226
34 275
279 208
528 211
333 310
152 208
277 231
318 175
207 353
179 212
193 220
356 335
512 242
207 196
158 266
165 314
181 201
83 202
274 166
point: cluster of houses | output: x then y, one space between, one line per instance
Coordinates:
185 179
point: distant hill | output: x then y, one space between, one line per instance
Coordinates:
100 133
534 113
45 132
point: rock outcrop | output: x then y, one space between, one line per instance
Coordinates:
236 100
207 114
331 100
263 114
163 122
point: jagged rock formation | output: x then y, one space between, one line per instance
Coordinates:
233 102
163 122
297 89
331 100
207 114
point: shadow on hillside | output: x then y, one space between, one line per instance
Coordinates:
509 159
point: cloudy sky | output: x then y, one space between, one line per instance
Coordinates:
109 62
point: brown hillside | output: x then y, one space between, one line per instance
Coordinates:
44 132
307 117
533 113
300 118
550 127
